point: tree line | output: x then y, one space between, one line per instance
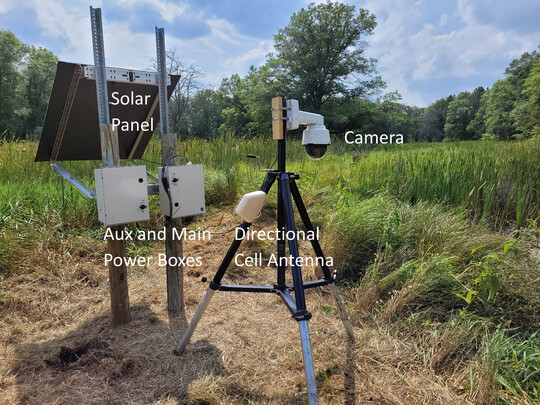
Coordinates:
319 58
26 77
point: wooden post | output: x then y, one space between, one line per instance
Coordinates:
169 148
110 153
173 248
118 284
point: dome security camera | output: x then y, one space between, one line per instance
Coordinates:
316 139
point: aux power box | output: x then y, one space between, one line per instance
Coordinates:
122 194
186 190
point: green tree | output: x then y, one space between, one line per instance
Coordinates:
394 117
506 106
460 113
351 114
431 127
12 103
527 111
235 115
499 105
38 80
321 53
205 117
477 126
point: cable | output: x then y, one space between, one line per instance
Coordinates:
150 161
275 160
208 227
220 233
175 156
166 185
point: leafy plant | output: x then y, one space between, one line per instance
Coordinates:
489 273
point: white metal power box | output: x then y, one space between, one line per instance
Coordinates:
186 185
122 194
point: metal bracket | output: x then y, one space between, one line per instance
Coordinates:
153 189
125 75
152 176
88 192
66 111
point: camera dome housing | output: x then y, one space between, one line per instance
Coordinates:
315 152
316 139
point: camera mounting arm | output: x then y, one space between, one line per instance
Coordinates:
295 117
316 137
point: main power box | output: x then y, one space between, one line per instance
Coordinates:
185 195
122 194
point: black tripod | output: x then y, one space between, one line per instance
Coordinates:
287 191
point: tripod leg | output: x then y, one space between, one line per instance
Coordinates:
342 313
318 251
301 315
194 322
308 363
216 281
214 285
309 227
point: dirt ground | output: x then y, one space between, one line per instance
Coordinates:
57 345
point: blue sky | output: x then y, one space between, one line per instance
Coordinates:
426 49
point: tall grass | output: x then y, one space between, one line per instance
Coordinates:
400 216
497 181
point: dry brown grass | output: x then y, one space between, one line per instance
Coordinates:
57 344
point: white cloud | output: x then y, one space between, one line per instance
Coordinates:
252 57
62 25
5 6
167 10
416 42
214 52
411 48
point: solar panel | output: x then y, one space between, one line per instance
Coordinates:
71 127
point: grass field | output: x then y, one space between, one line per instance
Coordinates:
437 246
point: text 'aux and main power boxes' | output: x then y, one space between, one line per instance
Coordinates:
181 190
122 194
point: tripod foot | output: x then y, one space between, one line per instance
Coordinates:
193 324
342 313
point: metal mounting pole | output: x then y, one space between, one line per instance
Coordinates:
110 154
99 67
169 147
162 81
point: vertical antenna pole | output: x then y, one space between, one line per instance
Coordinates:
110 153
162 81
100 72
280 133
169 148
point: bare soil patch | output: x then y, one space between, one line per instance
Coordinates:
57 344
